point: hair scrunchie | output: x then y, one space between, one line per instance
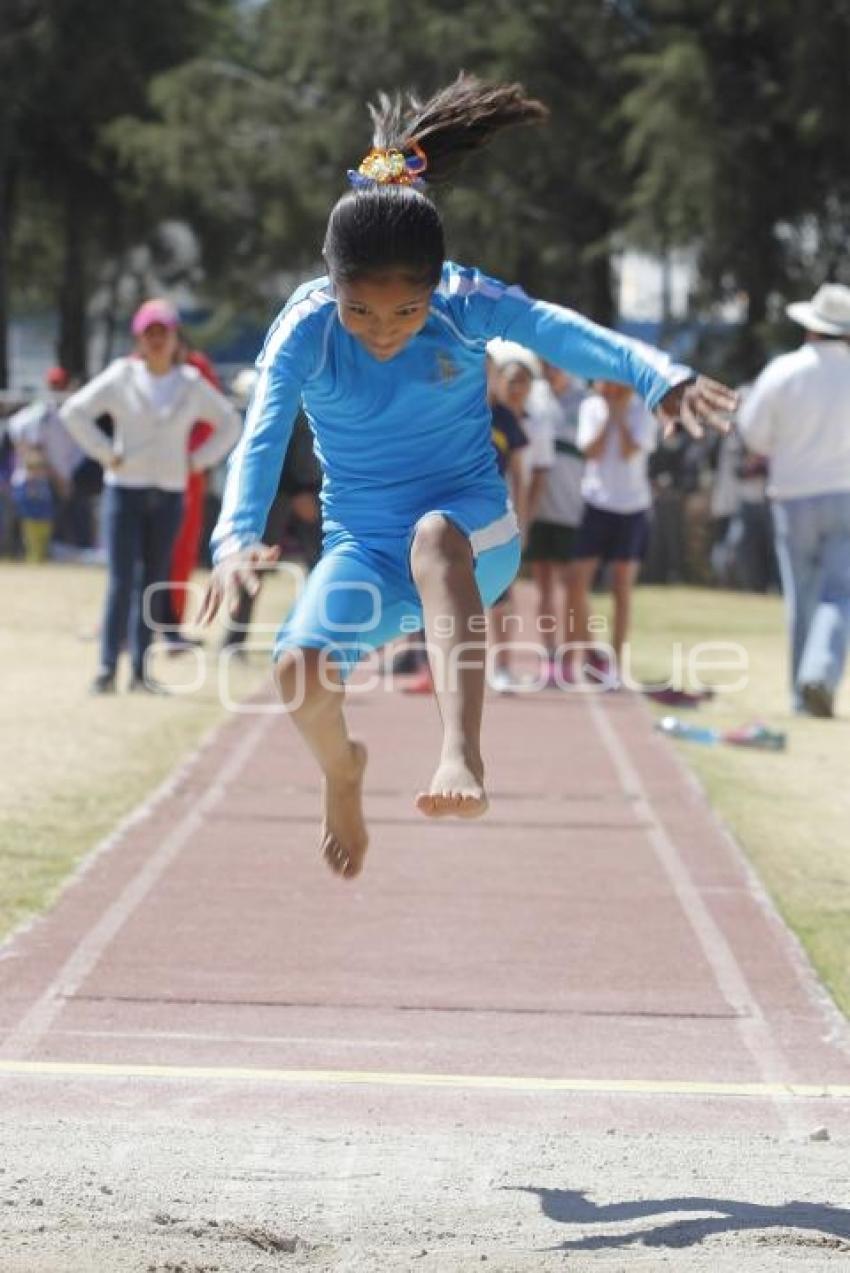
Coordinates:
390 168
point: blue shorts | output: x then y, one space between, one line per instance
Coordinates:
612 536
362 595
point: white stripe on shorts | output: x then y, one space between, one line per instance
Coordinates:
499 532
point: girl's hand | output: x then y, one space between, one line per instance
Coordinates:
240 571
701 403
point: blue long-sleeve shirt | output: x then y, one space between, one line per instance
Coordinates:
397 437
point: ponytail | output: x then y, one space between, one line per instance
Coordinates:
457 120
386 222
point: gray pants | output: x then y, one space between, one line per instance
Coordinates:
813 548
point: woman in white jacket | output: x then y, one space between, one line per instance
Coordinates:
153 400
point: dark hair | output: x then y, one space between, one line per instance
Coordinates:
387 226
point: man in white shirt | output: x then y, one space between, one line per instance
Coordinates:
798 415
40 425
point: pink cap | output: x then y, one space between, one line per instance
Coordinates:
152 312
57 378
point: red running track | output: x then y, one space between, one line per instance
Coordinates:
595 949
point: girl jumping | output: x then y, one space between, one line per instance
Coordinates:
387 355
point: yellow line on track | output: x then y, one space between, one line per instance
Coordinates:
379 1078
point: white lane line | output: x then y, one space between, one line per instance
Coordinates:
65 1070
771 1063
139 813
240 1040
37 1021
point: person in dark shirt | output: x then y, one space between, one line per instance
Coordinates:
296 513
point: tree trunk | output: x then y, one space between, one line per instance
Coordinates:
599 289
7 189
666 292
750 350
109 318
73 327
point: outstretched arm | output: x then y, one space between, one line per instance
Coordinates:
698 404
674 391
586 349
254 471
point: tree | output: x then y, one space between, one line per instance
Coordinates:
20 42
114 51
817 100
253 147
718 124
734 138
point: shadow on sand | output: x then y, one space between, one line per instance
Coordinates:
828 1225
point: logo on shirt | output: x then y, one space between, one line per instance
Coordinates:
446 369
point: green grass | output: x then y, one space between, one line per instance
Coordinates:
72 765
790 811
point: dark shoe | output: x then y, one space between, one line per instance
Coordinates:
146 685
670 697
408 661
176 643
817 699
103 683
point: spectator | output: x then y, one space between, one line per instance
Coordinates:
673 476
7 507
556 513
798 416
34 502
616 435
724 505
154 400
744 557
39 425
751 539
184 554
696 511
295 518
508 387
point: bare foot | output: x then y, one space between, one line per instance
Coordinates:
457 790
344 835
